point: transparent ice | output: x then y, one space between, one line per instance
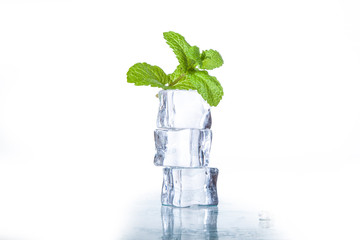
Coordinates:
183 109
183 187
197 222
182 147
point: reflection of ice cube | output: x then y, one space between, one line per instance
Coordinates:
183 109
189 223
264 215
183 187
182 147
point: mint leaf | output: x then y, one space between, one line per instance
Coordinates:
176 74
211 59
183 82
179 46
207 86
193 53
142 74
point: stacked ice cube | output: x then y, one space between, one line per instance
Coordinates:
183 142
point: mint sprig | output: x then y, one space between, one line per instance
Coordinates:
189 74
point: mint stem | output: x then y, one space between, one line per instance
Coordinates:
177 80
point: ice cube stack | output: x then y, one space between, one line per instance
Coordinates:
183 142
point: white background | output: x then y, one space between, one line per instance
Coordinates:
76 140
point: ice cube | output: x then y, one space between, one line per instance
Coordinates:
183 109
189 223
183 187
182 147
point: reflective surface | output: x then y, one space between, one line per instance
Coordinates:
154 221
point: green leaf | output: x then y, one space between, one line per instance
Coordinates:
177 73
183 84
142 74
193 53
207 86
211 59
179 46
